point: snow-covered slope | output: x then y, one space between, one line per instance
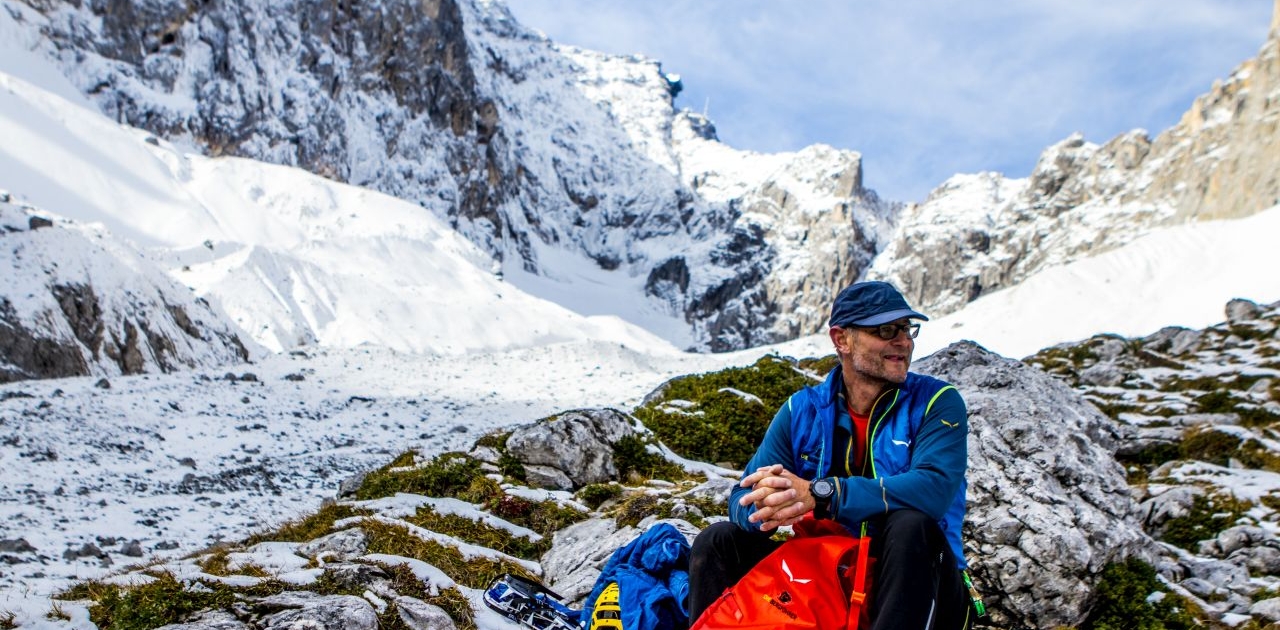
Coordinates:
292 258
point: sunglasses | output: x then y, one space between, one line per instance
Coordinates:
890 331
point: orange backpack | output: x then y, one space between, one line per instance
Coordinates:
808 582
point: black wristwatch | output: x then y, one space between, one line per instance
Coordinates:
822 490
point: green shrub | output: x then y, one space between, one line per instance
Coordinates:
479 533
309 527
1122 602
595 494
721 426
511 467
399 541
496 440
1208 445
631 455
161 602
640 506
404 460
1209 516
448 475
820 365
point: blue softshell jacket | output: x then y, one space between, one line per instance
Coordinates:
919 453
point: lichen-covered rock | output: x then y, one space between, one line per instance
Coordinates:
1049 506
303 609
343 545
209 620
419 615
576 444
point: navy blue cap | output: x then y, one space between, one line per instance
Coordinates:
870 304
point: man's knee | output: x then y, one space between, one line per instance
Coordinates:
911 532
711 541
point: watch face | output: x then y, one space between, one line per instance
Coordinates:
822 489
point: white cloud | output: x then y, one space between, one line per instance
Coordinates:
929 88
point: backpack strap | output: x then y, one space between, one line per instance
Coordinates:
860 572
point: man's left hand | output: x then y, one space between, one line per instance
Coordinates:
780 497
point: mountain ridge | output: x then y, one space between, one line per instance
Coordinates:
979 233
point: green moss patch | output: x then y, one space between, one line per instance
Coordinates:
1122 601
479 533
448 475
633 459
161 602
1209 516
475 573
701 418
594 495
310 527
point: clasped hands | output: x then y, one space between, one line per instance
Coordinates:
780 497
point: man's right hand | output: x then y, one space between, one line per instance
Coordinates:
780 497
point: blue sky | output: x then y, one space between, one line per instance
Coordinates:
928 88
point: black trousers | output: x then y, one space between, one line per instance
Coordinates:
915 584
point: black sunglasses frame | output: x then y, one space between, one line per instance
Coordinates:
889 332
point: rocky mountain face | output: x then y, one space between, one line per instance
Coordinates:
1067 504
523 146
76 302
979 233
1197 412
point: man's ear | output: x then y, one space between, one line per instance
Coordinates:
838 339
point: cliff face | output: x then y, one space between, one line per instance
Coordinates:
74 302
525 147
980 233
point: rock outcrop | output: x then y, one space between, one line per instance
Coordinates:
573 449
1049 507
75 302
1195 409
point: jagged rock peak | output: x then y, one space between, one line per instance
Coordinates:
975 235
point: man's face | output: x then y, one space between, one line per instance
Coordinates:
864 355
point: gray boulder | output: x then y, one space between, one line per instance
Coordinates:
578 445
1233 539
578 553
1268 609
343 545
1167 504
419 615
1240 310
303 609
1049 506
209 620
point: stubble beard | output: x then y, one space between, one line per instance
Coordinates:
876 368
